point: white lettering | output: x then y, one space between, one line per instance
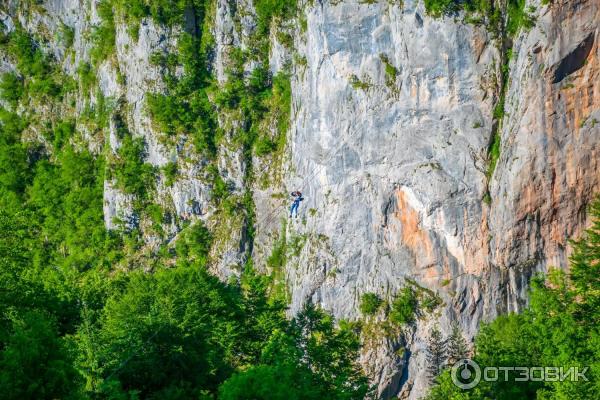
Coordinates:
564 375
552 374
536 378
506 369
581 374
523 377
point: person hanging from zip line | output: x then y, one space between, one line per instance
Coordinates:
297 199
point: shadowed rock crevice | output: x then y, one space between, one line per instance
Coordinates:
574 60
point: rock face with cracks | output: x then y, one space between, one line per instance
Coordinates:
392 126
389 141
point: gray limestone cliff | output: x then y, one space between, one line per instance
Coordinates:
392 122
395 170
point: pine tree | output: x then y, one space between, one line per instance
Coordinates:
436 353
457 346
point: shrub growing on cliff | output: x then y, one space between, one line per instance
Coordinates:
30 60
391 72
437 8
103 35
66 35
277 110
165 12
404 307
195 243
11 88
61 134
87 77
133 174
281 101
170 170
508 18
278 256
266 10
370 303
39 74
494 154
518 17
186 108
263 146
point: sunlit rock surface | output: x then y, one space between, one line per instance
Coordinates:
389 143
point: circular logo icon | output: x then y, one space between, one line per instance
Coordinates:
466 374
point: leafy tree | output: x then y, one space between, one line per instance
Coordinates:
311 357
445 389
171 330
17 291
263 314
35 362
330 353
276 382
66 196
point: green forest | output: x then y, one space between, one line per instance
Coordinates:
76 324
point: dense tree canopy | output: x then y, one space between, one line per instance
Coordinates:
74 326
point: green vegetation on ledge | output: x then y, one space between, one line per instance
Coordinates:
404 307
185 108
501 20
370 303
103 35
133 175
38 76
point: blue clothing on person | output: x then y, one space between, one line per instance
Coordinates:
297 199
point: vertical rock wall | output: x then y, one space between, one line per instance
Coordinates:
389 141
393 165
